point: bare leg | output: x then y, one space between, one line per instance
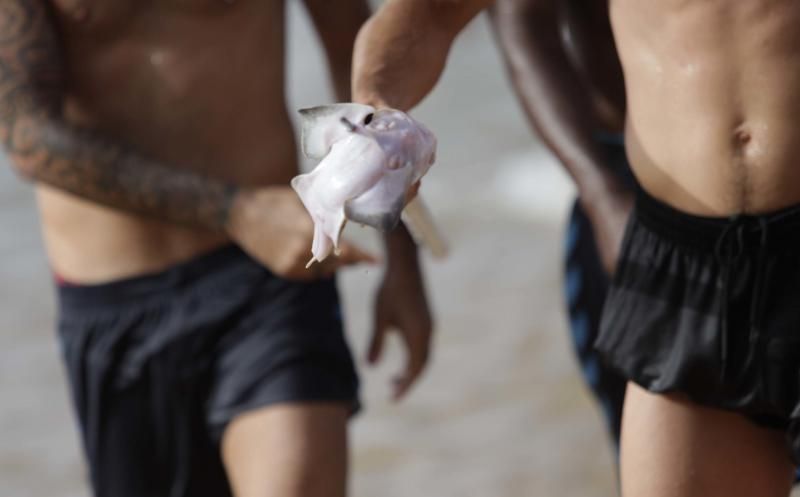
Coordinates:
291 450
673 448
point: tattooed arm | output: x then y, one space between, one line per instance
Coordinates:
46 149
270 223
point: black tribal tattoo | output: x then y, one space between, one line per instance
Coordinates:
47 149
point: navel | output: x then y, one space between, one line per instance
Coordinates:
742 136
748 140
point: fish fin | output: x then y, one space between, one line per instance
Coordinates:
322 126
301 184
384 219
382 205
321 246
339 223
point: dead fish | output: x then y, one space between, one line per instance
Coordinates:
369 161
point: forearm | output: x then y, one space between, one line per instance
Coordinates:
549 87
402 50
400 246
96 168
337 24
45 148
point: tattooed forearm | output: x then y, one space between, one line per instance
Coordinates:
96 168
46 149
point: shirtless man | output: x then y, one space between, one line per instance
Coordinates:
702 313
203 358
572 90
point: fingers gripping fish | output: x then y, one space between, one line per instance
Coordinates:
370 160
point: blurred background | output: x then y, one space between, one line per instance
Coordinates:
501 411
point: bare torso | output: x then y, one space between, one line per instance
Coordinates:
197 84
713 101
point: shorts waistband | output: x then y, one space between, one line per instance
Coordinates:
153 284
704 232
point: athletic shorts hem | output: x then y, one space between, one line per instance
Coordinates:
221 420
707 307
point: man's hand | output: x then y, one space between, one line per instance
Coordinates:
401 51
609 217
401 307
272 225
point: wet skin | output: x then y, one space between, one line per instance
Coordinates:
713 101
711 90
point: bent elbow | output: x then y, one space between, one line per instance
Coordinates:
24 147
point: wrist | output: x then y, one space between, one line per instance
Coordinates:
236 211
400 245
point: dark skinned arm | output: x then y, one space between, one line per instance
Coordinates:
561 110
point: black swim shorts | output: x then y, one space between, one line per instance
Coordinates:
710 307
158 365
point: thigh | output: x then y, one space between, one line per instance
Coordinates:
288 450
672 447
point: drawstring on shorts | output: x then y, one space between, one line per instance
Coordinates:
730 248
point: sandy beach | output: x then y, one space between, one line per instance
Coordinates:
501 412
